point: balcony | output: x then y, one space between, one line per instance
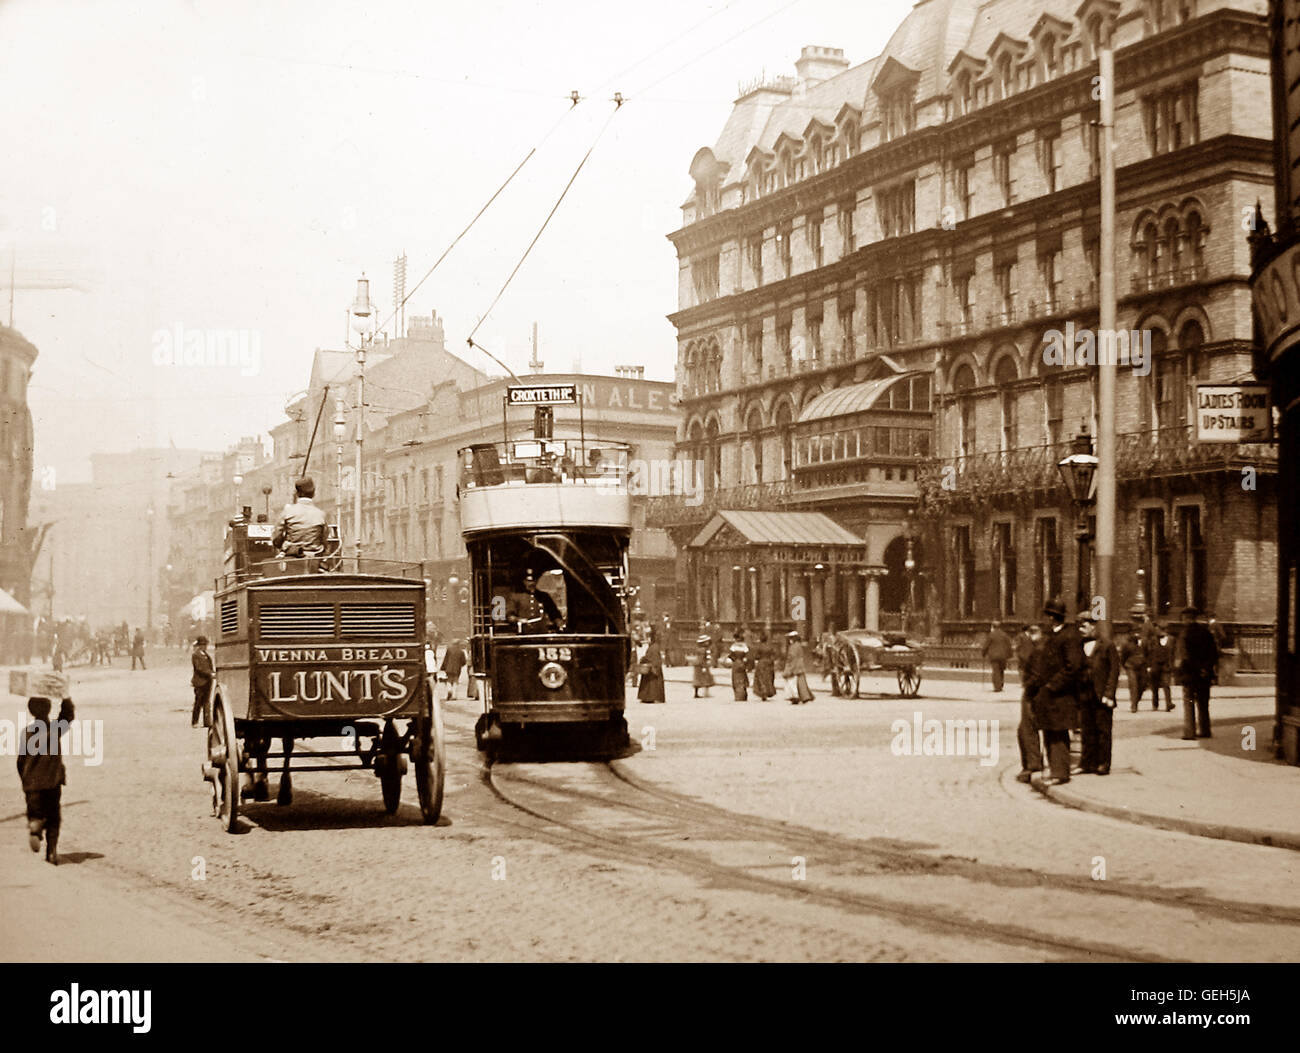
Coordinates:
694 510
1144 283
1138 455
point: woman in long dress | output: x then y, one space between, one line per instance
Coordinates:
651 688
764 669
702 678
795 672
740 662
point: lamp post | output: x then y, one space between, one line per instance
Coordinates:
340 432
362 318
266 497
1079 472
148 621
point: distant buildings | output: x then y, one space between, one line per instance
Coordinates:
871 262
18 541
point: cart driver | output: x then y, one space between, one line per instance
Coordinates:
533 609
301 529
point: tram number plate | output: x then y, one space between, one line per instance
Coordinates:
555 654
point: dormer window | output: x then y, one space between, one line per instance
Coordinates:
898 112
965 94
1005 78
1049 58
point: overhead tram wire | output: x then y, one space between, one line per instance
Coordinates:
618 105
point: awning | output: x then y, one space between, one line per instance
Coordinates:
779 528
9 605
853 398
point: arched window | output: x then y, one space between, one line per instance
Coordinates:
712 456
753 428
1148 249
785 429
1173 241
1195 231
963 385
1005 377
1006 78
1191 337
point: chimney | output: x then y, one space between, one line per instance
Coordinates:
817 64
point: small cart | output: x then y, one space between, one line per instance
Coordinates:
856 652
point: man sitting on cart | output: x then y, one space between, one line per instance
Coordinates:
533 610
301 529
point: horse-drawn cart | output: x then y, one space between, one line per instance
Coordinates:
856 652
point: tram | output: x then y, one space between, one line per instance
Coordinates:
311 648
546 523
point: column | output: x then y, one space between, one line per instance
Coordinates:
872 612
817 605
854 600
799 582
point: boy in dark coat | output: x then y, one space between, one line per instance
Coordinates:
40 767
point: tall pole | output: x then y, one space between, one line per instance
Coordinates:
148 621
1106 363
360 440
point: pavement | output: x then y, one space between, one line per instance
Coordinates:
1228 787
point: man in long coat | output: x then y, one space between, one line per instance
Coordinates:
1198 657
651 687
453 661
201 681
1097 700
997 649
1133 657
1056 689
1030 662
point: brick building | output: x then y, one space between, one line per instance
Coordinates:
19 543
873 260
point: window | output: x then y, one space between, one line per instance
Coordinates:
1092 255
783 343
964 93
754 349
1047 562
898 310
783 250
1049 159
1147 400
964 293
847 240
1049 271
1054 409
1194 236
1171 119
813 324
1154 559
785 429
896 207
1091 131
1002 172
814 228
754 426
963 385
1004 282
963 188
1004 568
755 253
1005 77
848 339
1005 379
704 273
1191 545
437 483
1170 391
899 112
965 568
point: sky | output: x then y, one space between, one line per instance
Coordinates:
178 167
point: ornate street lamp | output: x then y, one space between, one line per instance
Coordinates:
1079 473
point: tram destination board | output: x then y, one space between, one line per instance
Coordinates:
542 394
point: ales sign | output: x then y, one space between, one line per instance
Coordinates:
1233 413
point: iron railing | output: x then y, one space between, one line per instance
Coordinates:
678 510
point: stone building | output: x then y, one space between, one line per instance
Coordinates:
19 542
874 260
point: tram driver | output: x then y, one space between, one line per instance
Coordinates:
533 610
301 529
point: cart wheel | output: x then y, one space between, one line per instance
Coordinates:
909 682
429 754
223 755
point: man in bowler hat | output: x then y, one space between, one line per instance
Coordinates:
1056 691
1198 657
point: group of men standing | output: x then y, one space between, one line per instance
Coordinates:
1070 678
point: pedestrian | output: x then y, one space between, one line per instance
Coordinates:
738 652
201 681
40 765
1197 657
137 650
453 661
796 679
1133 657
651 668
1056 700
1160 659
715 643
1221 638
997 649
1097 700
1029 658
764 668
702 675
57 657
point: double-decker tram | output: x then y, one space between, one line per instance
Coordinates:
324 647
546 523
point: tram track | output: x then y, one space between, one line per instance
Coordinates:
663 823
